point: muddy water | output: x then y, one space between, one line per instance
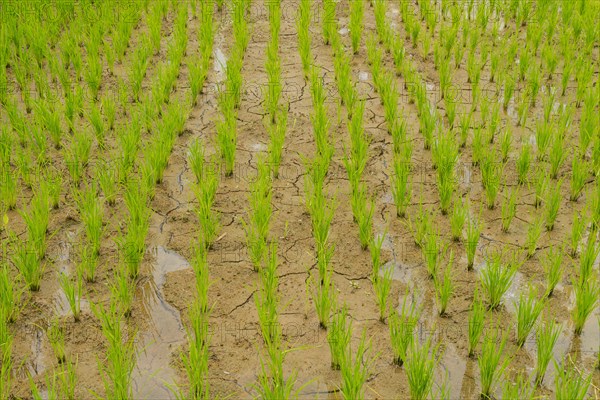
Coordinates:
153 374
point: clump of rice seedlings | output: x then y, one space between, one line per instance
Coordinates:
28 264
457 220
433 250
10 295
553 266
72 291
588 256
523 163
355 373
109 111
357 11
465 125
53 183
445 154
528 311
587 294
198 70
323 296
546 338
365 220
420 367
118 365
205 194
577 229
533 235
473 231
552 205
491 175
570 384
401 185
122 289
36 219
277 135
97 123
382 286
196 159
375 251
132 244
107 179
227 136
444 286
338 336
496 278
402 329
517 388
490 365
92 212
579 174
557 155
476 322
273 90
505 144
540 185
267 297
259 215
509 208
56 337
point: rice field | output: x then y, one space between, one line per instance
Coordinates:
332 199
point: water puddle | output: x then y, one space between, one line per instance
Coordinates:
363 76
36 364
344 31
258 147
455 367
153 373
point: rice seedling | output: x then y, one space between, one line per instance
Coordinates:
53 184
274 88
528 311
56 337
433 250
546 338
579 174
588 256
553 267
491 175
107 179
277 135
490 365
552 205
496 278
72 291
67 380
509 208
267 297
534 232
444 286
473 232
586 297
365 220
36 219
259 215
109 111
421 362
375 250
196 360
355 373
570 384
505 144
116 369
402 328
28 264
577 229
10 295
517 388
323 295
357 10
457 220
401 185
465 125
382 286
92 212
556 155
476 322
227 138
338 337
97 123
540 185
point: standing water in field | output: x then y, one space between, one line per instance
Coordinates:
153 374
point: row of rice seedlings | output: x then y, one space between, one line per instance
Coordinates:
199 65
120 359
259 214
304 40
